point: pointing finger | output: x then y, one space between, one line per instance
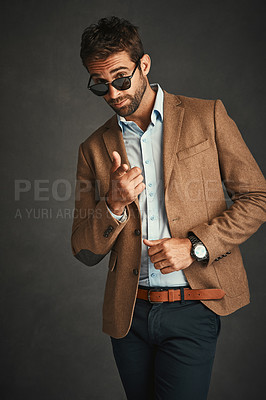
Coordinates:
116 161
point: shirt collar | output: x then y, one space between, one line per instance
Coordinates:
157 111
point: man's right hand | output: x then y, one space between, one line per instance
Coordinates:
125 185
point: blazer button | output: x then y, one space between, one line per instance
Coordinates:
135 271
137 232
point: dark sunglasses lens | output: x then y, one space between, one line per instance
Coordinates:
121 83
100 89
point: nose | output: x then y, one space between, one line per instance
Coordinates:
113 93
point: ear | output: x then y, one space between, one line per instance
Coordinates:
145 63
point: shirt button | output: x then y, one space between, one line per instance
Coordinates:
153 274
135 271
144 140
137 232
150 185
152 218
147 161
151 194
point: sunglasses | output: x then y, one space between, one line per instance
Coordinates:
124 83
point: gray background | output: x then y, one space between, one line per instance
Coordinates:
52 344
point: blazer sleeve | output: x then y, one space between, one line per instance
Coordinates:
245 185
94 229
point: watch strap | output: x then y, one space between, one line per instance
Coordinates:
194 241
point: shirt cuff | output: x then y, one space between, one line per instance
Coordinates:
120 218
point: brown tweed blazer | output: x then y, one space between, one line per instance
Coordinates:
202 147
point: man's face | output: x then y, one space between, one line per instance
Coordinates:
123 102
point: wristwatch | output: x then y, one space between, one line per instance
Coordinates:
124 216
198 251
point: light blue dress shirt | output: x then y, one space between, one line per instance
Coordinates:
145 150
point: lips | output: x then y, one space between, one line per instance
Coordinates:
119 104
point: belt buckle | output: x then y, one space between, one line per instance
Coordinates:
149 295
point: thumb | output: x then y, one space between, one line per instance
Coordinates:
116 161
153 242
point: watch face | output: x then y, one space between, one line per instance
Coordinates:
200 251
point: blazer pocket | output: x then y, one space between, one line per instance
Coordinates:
112 260
191 151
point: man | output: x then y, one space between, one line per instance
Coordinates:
149 190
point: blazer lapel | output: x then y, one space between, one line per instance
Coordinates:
172 124
113 139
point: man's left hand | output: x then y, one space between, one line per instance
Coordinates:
169 254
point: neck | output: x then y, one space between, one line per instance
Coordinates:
142 116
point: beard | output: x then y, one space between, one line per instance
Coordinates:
135 100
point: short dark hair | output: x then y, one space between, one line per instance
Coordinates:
108 36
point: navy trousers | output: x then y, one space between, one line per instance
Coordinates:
168 352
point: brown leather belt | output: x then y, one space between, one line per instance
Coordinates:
170 295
